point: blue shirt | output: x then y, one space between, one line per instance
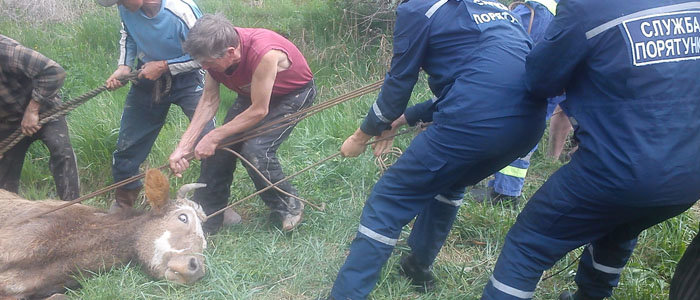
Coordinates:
160 37
630 70
473 52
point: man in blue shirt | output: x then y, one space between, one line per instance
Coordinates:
151 39
474 53
630 73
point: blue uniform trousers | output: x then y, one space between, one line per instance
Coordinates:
563 215
429 180
142 120
510 180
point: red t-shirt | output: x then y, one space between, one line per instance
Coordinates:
256 42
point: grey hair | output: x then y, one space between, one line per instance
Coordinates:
210 36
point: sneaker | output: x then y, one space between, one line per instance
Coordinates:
421 277
231 217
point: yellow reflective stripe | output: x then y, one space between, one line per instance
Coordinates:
513 171
551 5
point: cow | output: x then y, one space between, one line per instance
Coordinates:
41 256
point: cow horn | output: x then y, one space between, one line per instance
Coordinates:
182 192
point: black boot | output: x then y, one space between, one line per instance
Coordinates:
576 296
489 195
421 277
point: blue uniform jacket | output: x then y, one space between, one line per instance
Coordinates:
473 52
632 90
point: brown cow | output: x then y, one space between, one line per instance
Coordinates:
40 257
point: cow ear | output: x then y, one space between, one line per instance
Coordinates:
157 189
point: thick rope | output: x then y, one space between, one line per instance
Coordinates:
290 119
299 172
58 111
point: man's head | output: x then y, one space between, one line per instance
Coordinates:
132 5
214 43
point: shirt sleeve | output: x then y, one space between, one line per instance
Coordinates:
184 63
47 75
127 48
410 44
420 112
551 64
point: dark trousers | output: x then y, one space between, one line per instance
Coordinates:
261 151
686 280
564 214
62 162
143 119
427 183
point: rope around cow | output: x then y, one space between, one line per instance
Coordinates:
268 127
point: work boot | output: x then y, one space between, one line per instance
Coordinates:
124 199
489 195
576 296
291 221
421 277
231 217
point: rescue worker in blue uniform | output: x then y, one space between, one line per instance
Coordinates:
507 185
630 71
474 53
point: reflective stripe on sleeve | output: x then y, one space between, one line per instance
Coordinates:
376 236
378 113
513 172
511 290
444 199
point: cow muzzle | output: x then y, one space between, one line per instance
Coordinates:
185 269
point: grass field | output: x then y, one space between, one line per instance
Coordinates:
255 260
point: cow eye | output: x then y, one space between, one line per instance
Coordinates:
182 218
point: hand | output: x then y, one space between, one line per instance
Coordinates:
153 69
178 162
384 146
113 82
207 146
355 144
30 121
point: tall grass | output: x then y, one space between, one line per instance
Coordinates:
255 260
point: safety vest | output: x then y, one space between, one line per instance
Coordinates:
551 5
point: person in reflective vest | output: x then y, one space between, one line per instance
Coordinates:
508 182
630 72
474 53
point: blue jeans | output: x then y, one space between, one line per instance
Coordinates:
142 120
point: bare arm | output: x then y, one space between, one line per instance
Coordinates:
261 91
205 111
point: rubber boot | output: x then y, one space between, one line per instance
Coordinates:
421 277
124 199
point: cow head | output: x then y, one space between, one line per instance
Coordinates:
173 243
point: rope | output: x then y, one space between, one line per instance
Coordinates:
290 119
321 208
58 111
384 160
299 172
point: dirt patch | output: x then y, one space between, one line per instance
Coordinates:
44 11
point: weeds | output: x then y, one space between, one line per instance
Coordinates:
255 260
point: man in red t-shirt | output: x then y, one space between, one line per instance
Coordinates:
272 79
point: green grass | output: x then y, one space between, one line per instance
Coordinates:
255 260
